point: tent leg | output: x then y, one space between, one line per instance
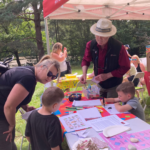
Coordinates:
47 36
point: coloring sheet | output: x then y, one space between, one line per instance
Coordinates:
104 122
73 122
121 141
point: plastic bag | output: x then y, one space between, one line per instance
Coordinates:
91 92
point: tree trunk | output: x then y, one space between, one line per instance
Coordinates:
17 58
37 22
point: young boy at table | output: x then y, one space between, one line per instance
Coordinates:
126 92
43 128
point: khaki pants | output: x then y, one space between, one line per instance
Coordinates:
111 93
6 145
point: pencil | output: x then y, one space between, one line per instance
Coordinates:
103 101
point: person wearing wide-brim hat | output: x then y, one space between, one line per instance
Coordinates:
108 55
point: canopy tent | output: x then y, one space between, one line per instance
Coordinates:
95 9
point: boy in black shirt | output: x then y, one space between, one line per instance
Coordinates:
43 128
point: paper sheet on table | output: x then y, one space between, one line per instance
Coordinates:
86 103
104 122
112 110
95 81
74 122
90 113
27 114
81 134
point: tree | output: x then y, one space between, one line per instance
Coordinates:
28 10
14 39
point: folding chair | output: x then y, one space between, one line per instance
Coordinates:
22 111
141 89
79 84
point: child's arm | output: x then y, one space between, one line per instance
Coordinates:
123 108
28 138
56 148
58 57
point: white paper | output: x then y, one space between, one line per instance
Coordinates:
104 122
82 133
27 114
73 122
95 81
90 113
87 103
112 110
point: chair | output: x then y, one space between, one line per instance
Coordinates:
79 84
22 111
141 89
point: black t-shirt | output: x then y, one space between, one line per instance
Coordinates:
18 75
44 131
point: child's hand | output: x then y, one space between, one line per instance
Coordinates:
105 99
117 104
65 49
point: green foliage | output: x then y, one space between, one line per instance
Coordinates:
74 34
17 38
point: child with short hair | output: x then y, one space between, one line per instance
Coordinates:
43 128
126 92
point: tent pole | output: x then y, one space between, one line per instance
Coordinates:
47 36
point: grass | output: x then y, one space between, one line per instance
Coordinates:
20 123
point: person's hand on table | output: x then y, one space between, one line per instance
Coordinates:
103 77
83 79
9 132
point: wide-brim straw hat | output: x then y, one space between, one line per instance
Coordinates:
104 28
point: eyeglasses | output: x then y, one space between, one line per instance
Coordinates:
50 74
134 59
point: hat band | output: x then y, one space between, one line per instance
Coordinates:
103 30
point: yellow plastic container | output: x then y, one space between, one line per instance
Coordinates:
70 76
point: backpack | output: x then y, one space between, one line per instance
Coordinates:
4 66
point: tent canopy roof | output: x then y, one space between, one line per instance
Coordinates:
96 9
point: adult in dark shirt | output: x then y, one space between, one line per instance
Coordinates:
43 128
109 57
17 86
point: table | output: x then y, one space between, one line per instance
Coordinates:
136 125
66 103
68 83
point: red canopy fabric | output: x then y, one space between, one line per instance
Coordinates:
50 5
